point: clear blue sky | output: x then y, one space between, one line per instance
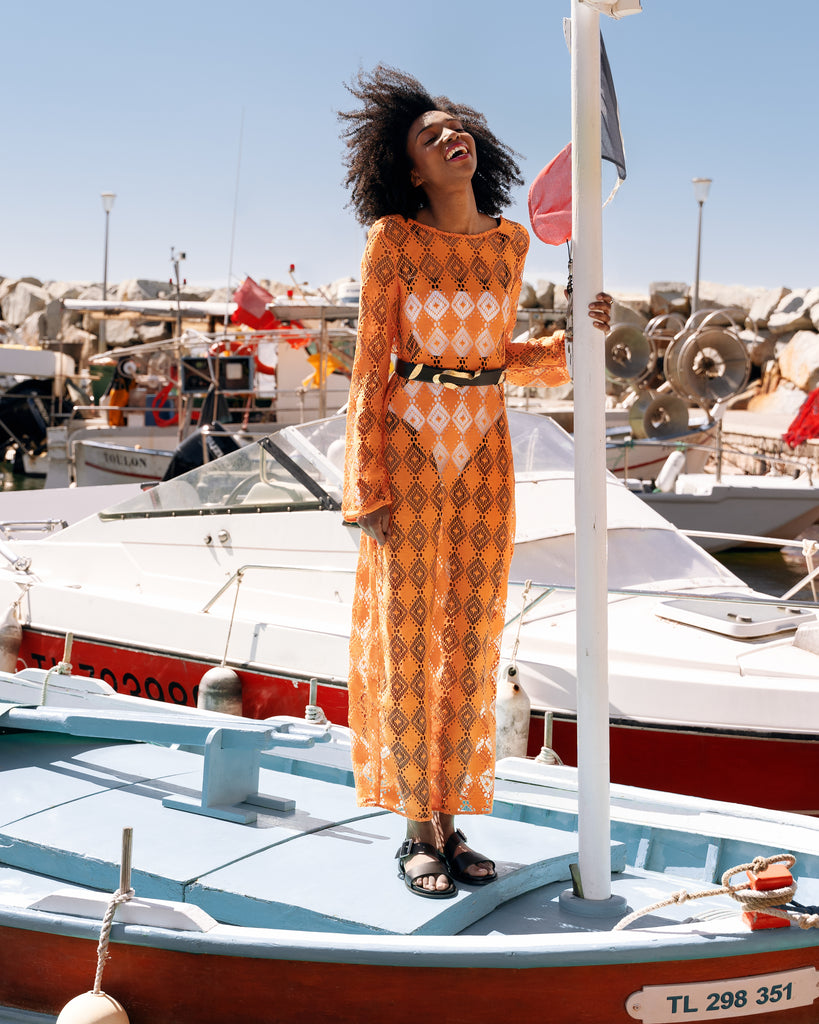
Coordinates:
146 100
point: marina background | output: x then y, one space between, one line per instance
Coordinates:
149 102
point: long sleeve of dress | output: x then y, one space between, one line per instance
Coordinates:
537 363
366 484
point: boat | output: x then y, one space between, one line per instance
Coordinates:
725 511
221 854
247 382
37 390
247 562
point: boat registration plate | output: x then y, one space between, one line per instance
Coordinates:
726 999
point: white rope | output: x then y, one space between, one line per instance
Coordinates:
524 598
752 900
105 934
62 668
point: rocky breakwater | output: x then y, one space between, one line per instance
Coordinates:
32 311
779 326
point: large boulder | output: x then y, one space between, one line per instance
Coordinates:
793 311
799 360
137 290
65 289
158 331
528 296
33 329
727 296
765 303
545 291
53 318
560 303
120 332
668 297
23 300
761 347
787 399
92 293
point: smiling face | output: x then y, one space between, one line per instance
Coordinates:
441 153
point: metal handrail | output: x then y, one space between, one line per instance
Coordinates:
239 574
548 589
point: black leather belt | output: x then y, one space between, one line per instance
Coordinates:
449 378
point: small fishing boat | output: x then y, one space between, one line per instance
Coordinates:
258 887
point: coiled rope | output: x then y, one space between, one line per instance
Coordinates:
751 900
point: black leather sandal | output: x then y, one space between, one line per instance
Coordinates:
458 863
411 847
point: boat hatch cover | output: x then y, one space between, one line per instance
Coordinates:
739 619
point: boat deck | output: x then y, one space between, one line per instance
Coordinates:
251 874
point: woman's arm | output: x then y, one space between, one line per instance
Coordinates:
366 483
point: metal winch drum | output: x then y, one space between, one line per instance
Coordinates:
709 366
630 354
658 416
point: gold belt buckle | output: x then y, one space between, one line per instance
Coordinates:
465 375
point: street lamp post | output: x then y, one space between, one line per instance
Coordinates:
107 204
701 186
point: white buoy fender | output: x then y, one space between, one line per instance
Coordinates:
671 469
512 708
220 689
11 636
93 1008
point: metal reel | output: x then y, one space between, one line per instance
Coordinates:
708 366
630 354
658 417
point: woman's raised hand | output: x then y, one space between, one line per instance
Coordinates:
600 311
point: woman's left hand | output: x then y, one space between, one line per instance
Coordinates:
600 311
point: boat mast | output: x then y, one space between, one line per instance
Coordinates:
594 818
594 825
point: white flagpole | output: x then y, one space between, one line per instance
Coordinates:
594 823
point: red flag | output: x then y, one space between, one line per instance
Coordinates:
550 200
550 197
251 306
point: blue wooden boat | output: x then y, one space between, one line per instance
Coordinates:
262 892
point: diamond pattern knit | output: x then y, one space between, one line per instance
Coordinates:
428 608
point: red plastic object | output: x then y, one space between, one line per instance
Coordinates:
775 876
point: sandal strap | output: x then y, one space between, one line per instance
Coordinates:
451 843
467 858
412 846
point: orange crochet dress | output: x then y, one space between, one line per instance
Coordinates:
429 605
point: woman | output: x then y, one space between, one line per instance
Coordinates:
428 475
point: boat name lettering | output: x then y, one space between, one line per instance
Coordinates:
128 461
731 998
130 684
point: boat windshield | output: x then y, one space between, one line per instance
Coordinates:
291 469
302 466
